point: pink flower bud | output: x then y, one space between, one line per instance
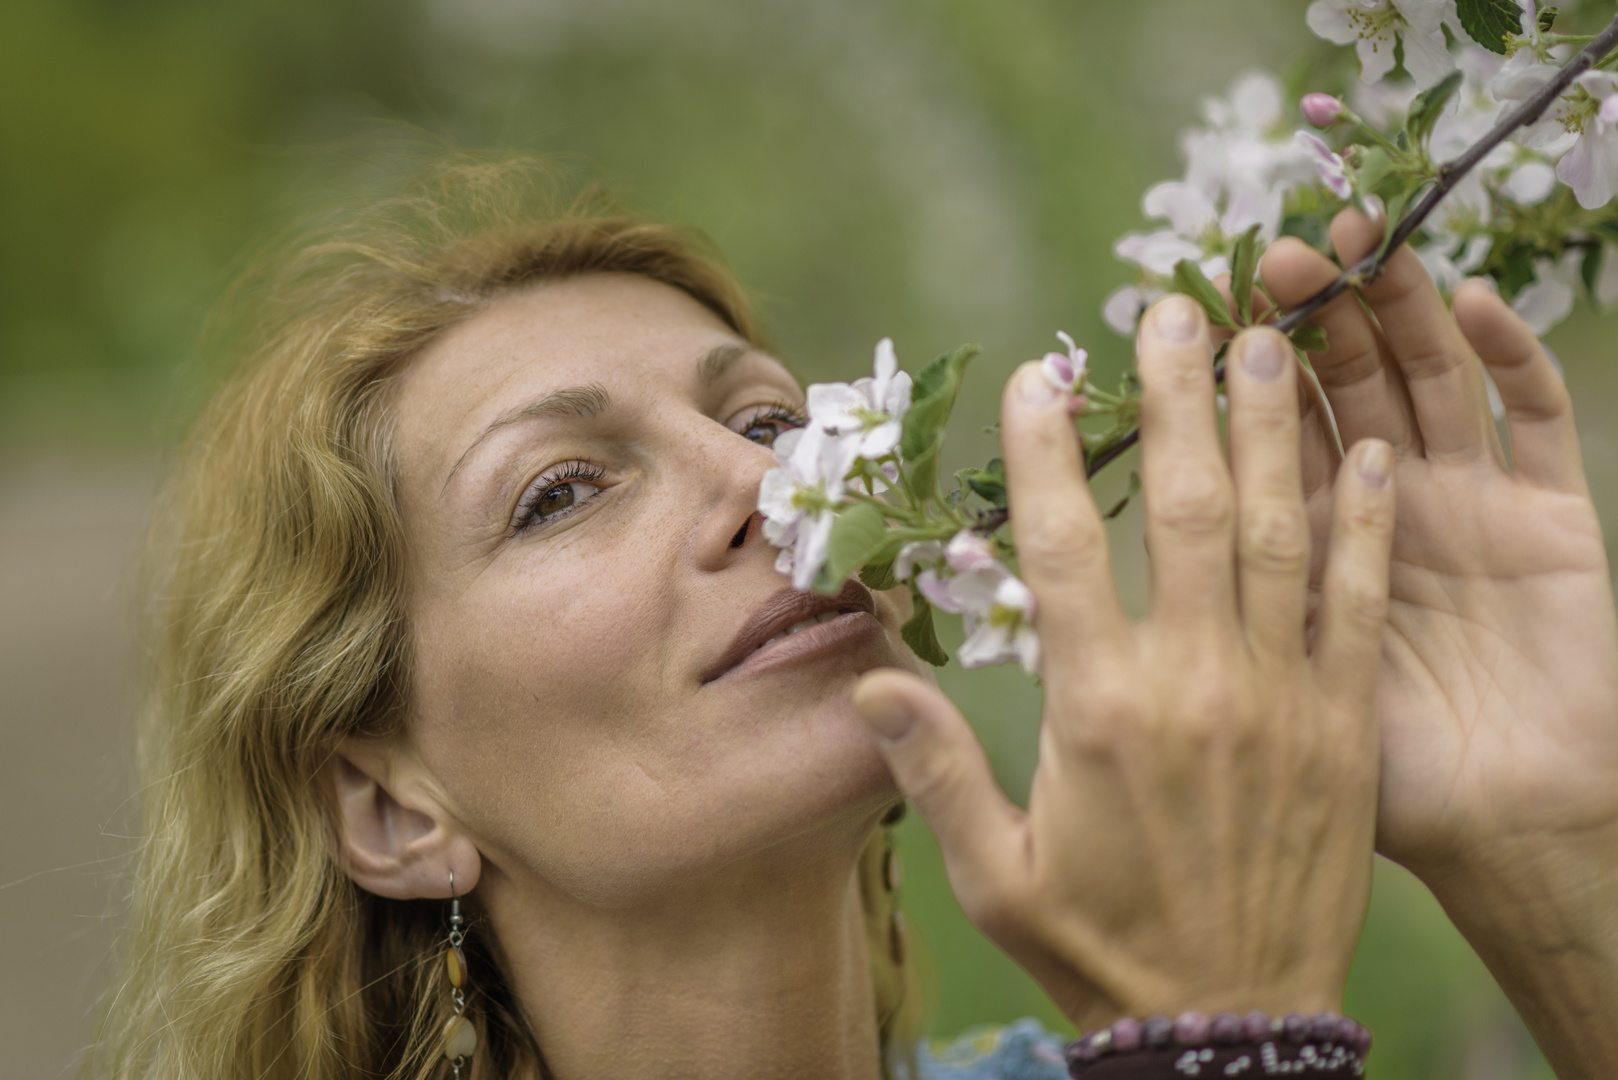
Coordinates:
967 551
1321 110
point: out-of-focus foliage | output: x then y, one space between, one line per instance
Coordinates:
936 171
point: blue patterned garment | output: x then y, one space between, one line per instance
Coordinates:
1020 1051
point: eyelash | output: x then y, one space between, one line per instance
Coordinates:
527 516
777 412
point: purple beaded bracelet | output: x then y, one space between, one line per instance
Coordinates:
1193 1044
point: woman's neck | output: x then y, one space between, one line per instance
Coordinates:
761 971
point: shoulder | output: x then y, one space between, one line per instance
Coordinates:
1020 1051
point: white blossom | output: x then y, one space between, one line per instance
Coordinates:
871 409
799 498
914 554
1238 170
1333 173
1549 299
997 612
1373 26
1125 305
1590 168
1065 372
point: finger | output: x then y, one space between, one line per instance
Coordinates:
1272 533
1061 542
1539 412
1366 390
1189 503
941 768
1442 375
1354 600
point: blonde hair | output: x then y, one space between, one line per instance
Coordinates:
277 627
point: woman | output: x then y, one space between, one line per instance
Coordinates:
463 601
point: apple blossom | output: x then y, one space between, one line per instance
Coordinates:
1066 373
1321 110
871 408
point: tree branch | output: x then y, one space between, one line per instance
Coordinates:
1370 268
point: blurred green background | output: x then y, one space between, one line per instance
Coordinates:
935 171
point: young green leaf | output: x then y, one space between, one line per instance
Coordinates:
856 536
1394 209
918 632
1425 109
932 397
1310 338
1243 267
1134 489
988 483
1189 279
1374 167
878 575
1490 22
1590 268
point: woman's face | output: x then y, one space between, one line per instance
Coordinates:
603 696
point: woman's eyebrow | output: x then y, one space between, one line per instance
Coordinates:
588 400
718 360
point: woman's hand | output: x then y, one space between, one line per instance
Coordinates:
1199 828
1498 696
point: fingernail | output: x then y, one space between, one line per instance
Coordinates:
1263 356
1034 388
1177 318
886 715
1376 464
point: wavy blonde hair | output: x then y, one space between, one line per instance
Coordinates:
277 627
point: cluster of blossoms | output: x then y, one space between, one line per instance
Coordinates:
848 455
1534 216
857 488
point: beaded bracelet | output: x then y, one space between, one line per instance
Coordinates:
1192 1044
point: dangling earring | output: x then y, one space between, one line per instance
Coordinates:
460 1037
890 885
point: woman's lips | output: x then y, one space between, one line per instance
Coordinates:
790 625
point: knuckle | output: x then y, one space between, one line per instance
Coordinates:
1358 602
1194 501
1349 368
1058 540
1275 537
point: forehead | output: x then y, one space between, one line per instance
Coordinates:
627 333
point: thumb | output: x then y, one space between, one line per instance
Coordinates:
938 763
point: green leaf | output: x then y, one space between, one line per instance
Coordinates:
1310 338
1547 18
1490 22
1189 279
988 483
932 398
1590 268
856 536
1243 266
1425 109
1516 269
878 575
1374 167
1134 489
918 632
1306 227
1394 209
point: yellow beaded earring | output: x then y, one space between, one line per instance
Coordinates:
460 1037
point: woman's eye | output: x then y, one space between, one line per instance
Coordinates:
555 497
561 497
766 426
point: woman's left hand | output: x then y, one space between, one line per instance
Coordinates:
1498 696
1199 829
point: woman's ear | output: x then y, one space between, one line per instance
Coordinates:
396 843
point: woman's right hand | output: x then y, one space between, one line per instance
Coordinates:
1199 829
